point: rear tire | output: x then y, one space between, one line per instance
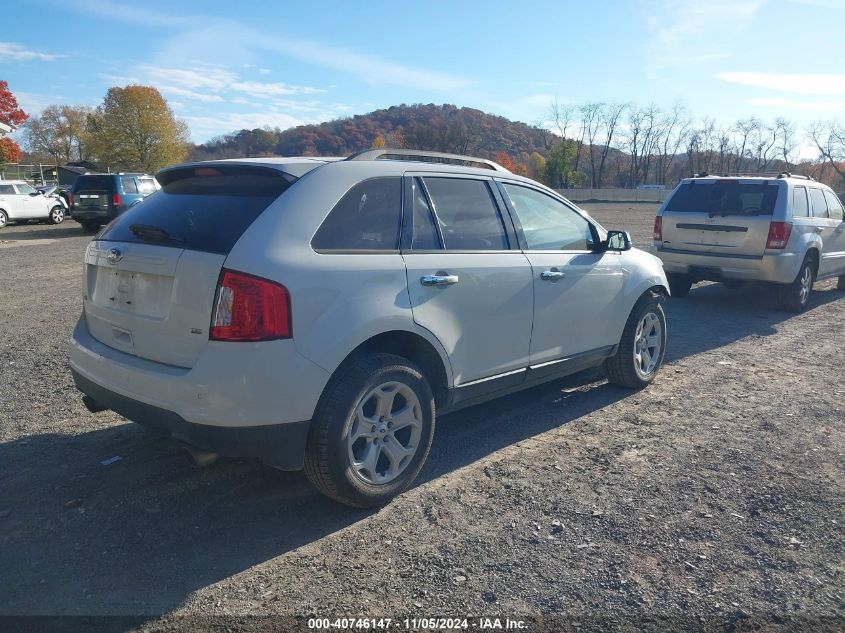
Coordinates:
679 285
372 431
642 346
57 215
91 227
840 285
794 297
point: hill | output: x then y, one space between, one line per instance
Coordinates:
444 128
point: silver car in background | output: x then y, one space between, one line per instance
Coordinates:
781 229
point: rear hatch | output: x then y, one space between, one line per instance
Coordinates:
151 275
93 194
722 216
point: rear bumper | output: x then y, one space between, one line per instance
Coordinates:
279 445
781 268
92 215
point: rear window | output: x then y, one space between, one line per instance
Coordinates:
725 198
200 208
94 183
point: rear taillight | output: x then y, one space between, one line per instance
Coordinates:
250 309
778 234
70 200
115 200
658 229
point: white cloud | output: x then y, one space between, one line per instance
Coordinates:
264 71
15 52
707 27
193 94
213 78
806 84
261 89
204 127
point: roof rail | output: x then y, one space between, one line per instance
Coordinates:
427 157
757 174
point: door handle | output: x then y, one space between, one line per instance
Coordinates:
439 280
552 275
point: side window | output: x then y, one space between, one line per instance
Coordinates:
819 205
424 231
800 206
147 186
468 216
7 190
548 224
834 205
365 219
25 189
129 185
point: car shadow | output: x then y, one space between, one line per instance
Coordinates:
82 533
42 231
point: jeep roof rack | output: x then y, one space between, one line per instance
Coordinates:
757 174
427 157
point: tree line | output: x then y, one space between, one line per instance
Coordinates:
591 144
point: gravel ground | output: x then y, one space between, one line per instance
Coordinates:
713 499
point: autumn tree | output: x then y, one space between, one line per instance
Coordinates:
11 115
135 129
378 142
560 165
504 160
58 132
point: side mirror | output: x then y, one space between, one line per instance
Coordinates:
618 241
36 193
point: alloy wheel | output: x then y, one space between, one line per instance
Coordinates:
385 433
648 344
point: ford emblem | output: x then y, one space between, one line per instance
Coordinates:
114 256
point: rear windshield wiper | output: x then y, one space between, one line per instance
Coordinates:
150 233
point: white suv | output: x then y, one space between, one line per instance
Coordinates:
21 202
782 229
316 312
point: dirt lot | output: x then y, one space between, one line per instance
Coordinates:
715 497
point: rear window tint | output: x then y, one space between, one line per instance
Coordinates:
200 208
725 198
365 219
94 183
468 216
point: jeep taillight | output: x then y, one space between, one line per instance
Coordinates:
778 234
658 229
250 309
115 199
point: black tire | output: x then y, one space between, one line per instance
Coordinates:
91 227
57 215
794 297
840 284
679 285
622 367
327 455
4 219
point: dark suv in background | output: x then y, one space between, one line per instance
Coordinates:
96 199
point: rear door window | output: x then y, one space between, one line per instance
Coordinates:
366 218
819 204
201 208
834 205
800 206
7 190
728 197
129 185
468 216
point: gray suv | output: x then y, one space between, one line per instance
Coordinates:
781 229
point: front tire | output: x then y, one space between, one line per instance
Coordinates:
57 215
642 346
794 297
372 431
4 219
679 285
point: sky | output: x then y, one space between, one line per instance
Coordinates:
226 65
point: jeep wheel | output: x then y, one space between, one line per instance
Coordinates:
372 431
91 227
57 215
679 285
794 297
641 348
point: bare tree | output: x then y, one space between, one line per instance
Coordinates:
745 128
785 133
562 117
610 119
592 114
829 139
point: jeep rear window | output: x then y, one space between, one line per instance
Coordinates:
200 208
94 183
725 198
